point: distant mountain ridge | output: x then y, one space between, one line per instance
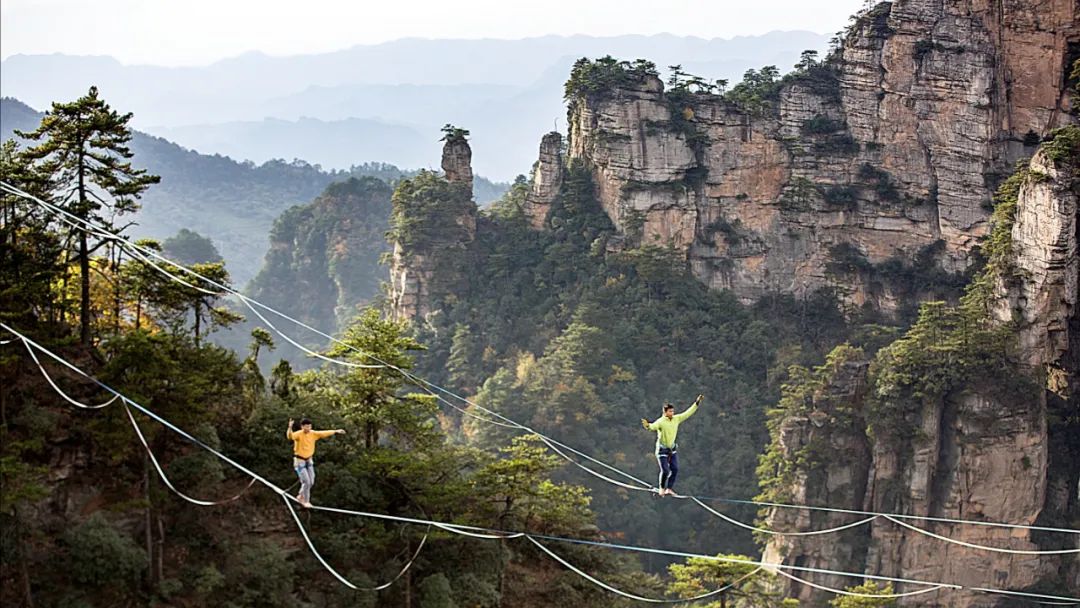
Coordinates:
232 203
507 92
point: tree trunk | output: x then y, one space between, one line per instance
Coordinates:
84 280
371 435
408 588
24 570
149 524
116 290
84 261
159 574
502 572
197 315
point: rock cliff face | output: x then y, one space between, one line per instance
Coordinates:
323 260
434 221
977 454
547 179
457 162
829 429
892 147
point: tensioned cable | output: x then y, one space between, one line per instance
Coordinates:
448 527
870 514
429 385
977 546
603 585
1074 601
503 533
774 532
144 253
146 260
255 476
140 253
307 350
331 570
165 478
883 596
61 392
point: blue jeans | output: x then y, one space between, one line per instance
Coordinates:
669 466
305 469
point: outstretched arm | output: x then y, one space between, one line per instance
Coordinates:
689 412
321 434
650 426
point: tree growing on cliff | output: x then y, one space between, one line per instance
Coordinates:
30 260
452 134
190 247
750 586
84 147
371 398
867 589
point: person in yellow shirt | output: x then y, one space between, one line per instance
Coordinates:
667 428
303 455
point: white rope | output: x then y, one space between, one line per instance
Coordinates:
146 260
603 585
1073 602
466 411
736 522
478 534
977 546
505 534
307 350
314 551
883 596
251 302
331 569
588 470
165 478
60 391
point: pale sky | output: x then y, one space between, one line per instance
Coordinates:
197 32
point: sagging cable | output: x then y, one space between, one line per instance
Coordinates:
459 527
736 522
512 423
978 546
884 596
603 585
60 391
165 478
311 545
307 350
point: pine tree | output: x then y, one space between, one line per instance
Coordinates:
29 250
372 398
84 147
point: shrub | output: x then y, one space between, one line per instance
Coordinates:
819 125
102 557
259 574
434 592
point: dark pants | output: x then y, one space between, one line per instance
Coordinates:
669 467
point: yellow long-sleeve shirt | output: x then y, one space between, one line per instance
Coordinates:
304 441
667 430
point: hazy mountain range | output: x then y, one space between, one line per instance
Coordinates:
380 102
232 203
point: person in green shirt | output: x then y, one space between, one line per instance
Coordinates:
667 428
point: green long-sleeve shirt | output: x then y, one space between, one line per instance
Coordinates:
667 429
